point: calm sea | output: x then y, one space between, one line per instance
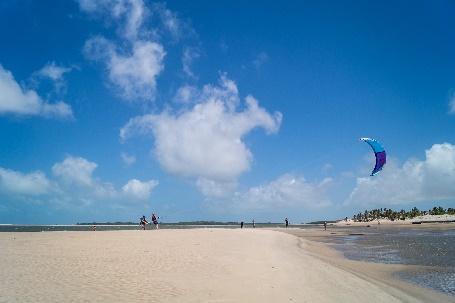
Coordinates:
432 249
43 228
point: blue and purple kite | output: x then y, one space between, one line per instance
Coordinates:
379 152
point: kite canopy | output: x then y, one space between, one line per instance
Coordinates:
379 152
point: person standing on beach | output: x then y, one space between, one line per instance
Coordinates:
325 225
254 225
155 221
241 224
143 222
286 221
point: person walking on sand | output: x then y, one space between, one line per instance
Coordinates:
254 225
286 221
241 224
155 221
325 225
143 222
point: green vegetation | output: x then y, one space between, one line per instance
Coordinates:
384 213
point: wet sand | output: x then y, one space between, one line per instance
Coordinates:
196 265
314 242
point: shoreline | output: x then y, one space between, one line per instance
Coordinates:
424 219
381 273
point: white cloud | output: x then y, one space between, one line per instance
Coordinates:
132 75
414 181
31 184
186 94
18 101
137 59
452 105
79 171
206 140
128 159
215 189
286 194
189 55
75 170
170 21
288 191
53 71
130 14
73 185
138 189
136 75
134 64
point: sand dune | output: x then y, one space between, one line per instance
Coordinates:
197 265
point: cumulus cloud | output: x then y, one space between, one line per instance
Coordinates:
186 94
75 170
133 75
138 189
288 191
17 183
73 184
415 181
16 100
215 189
128 159
134 65
136 75
130 14
206 141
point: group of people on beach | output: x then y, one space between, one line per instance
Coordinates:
154 219
286 222
143 221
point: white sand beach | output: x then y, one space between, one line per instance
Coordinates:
193 265
424 218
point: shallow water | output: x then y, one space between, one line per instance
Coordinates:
42 228
432 248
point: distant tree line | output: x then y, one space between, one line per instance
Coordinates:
387 213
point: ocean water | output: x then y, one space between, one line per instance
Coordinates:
432 249
45 228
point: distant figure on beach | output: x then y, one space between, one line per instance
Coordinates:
241 224
94 227
254 225
143 222
325 225
286 221
155 221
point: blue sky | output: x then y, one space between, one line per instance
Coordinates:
223 110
